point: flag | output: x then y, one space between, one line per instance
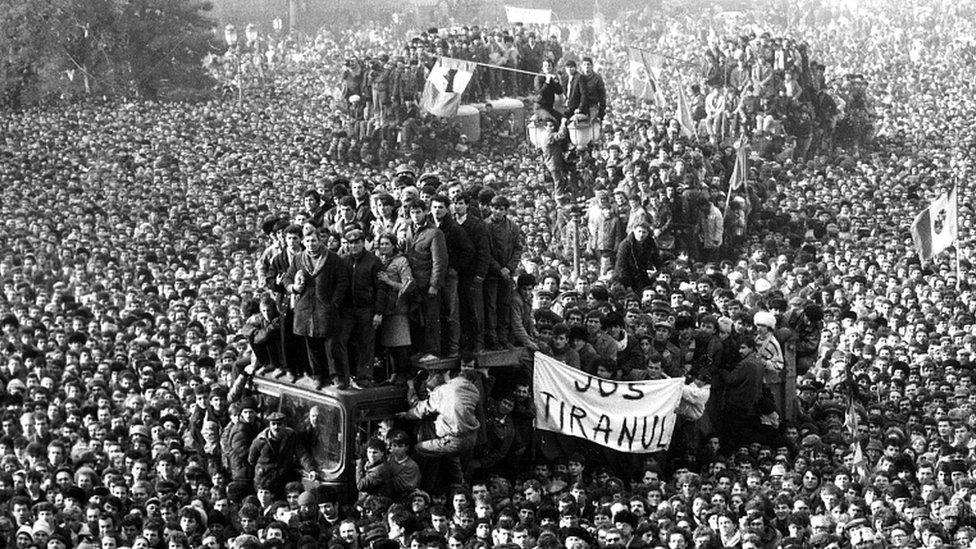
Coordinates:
936 227
851 419
644 75
444 86
740 172
599 25
860 463
684 113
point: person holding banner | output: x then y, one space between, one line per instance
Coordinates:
452 402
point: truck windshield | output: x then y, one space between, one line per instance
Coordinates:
320 426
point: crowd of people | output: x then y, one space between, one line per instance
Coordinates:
154 258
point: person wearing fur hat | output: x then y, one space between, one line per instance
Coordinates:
768 351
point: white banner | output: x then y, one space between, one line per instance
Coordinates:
630 416
528 16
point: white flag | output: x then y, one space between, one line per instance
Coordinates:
936 227
445 83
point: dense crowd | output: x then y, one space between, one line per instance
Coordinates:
154 258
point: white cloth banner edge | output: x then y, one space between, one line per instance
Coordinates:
564 398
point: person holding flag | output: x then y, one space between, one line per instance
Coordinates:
445 84
936 227
737 210
547 87
684 113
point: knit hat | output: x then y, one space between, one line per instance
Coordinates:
764 318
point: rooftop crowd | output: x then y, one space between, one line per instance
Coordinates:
154 258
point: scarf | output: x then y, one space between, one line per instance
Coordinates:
313 262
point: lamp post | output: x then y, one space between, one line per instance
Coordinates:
574 220
582 131
231 37
538 132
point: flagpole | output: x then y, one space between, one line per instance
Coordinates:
490 66
671 57
955 197
728 196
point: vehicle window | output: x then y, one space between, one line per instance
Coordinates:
320 427
365 429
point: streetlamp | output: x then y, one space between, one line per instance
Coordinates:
583 131
539 132
231 37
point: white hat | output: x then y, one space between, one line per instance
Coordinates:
764 318
763 285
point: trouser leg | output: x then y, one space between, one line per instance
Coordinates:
363 337
491 311
504 309
449 314
472 312
318 353
432 326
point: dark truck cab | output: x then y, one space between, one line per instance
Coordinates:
346 418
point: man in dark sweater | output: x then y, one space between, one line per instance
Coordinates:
741 388
460 252
361 317
471 285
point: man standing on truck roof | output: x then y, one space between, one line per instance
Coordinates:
455 400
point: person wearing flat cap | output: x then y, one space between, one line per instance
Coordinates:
242 433
768 351
359 315
278 455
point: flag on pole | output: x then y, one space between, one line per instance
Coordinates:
599 21
936 227
684 113
860 463
740 171
599 25
712 37
644 74
851 419
445 83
